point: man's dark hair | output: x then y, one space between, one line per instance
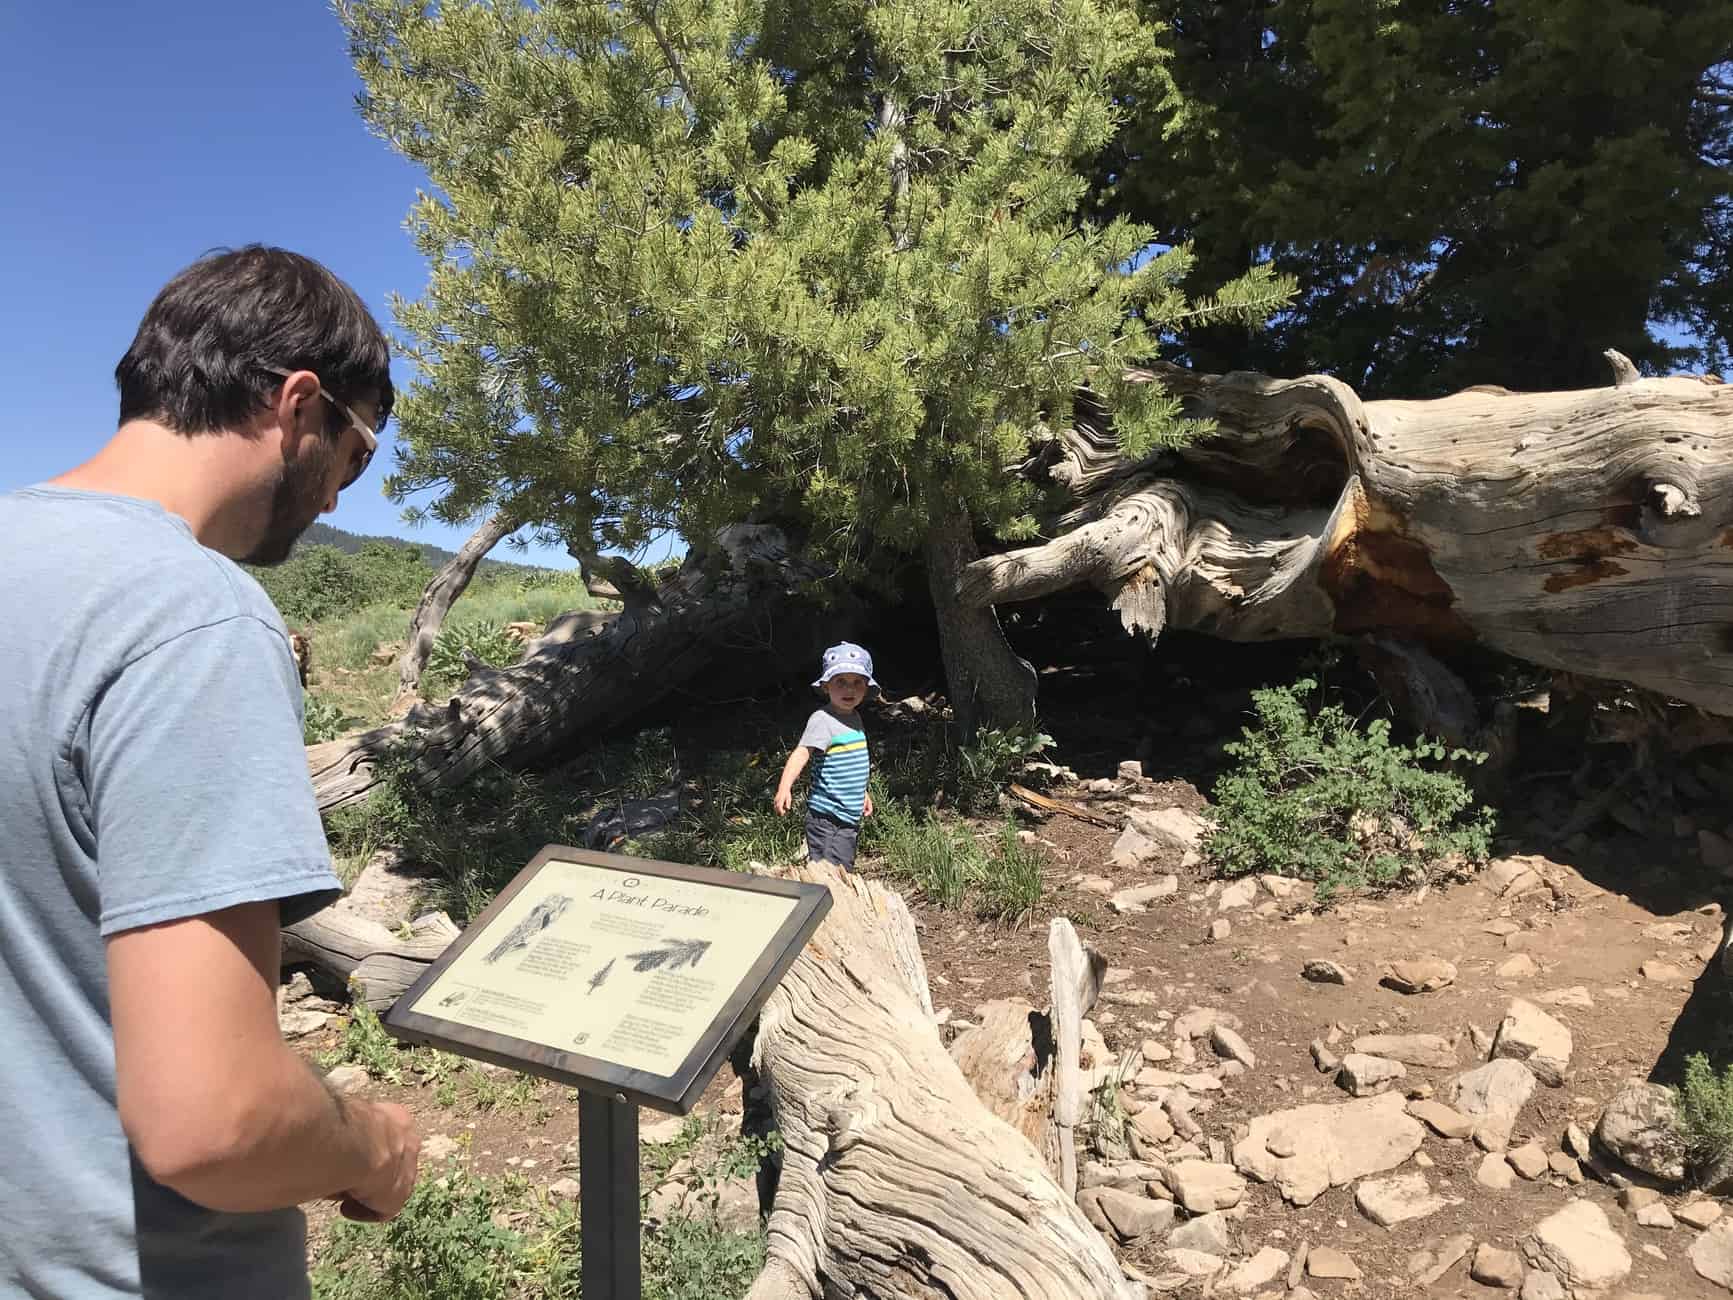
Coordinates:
197 361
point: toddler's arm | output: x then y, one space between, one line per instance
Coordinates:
791 771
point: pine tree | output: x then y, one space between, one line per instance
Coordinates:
698 258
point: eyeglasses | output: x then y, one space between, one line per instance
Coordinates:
369 439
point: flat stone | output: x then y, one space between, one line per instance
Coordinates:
1712 1254
1203 1185
1364 1075
1519 967
1579 1245
1566 1167
1637 1126
1195 1263
1231 1046
1123 1174
565 1189
1319 971
663 1130
1495 1267
1389 1201
1134 1217
1283 887
1326 1060
1699 1214
1153 1125
1495 1172
1155 1053
1174 827
1219 929
1131 769
1663 972
346 1079
438 1148
1132 849
1326 1262
1307 1150
1530 1035
1429 1050
1656 1216
1150 1077
1442 1258
1576 996
1208 1233
1097 885
1257 1272
1494 1095
1577 1141
298 1023
1420 975
1139 897
1528 1160
1502 928
1541 1285
1441 1119
1636 1198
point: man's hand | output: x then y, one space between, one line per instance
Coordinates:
783 802
397 1149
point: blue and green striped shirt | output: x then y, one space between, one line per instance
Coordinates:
839 773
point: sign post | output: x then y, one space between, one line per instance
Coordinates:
626 978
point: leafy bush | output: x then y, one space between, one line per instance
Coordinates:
322 719
699 1259
446 664
983 770
365 1043
1703 1109
1011 881
1313 795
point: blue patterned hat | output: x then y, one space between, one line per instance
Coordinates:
846 657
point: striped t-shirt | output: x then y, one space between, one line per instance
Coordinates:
839 773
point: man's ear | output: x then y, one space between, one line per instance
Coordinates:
297 411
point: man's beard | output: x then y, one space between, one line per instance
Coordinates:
295 504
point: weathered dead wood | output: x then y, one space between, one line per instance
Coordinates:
587 672
1590 531
1045 804
376 963
441 593
896 1182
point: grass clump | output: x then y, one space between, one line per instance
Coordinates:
1312 794
938 858
1011 882
1703 1111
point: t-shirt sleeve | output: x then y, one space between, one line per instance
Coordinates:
821 729
199 784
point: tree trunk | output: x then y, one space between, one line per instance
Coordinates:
896 1182
441 593
986 679
586 673
1590 531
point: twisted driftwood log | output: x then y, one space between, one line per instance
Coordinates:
1588 531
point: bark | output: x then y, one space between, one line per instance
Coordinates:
377 964
1590 531
586 673
441 593
897 1183
988 682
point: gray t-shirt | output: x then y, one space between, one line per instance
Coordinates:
150 746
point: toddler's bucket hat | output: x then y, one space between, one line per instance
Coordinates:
846 657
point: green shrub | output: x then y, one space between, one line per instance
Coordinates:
365 1043
1313 795
322 719
1703 1109
983 770
1011 881
446 662
699 1259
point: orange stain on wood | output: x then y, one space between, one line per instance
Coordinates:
1592 571
1378 578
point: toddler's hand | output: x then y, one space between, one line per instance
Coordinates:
783 802
867 808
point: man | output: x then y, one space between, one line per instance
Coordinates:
159 821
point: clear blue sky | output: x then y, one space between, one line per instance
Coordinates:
138 136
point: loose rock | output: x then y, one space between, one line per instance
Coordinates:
1428 1050
1712 1254
1219 929
1519 967
1364 1075
1389 1201
1579 1245
1663 972
346 1079
1307 1150
1199 1022
1528 1160
1566 1167
565 1189
1195 1263
1203 1185
1326 1060
1242 893
1134 1217
1326 1262
1530 1035
1230 1045
1132 849
1495 1267
1257 1272
1420 975
1699 1214
1441 1119
1153 1126
1541 1285
1495 1172
1576 996
1656 1216
1442 1258
1173 827
1139 897
1208 1233
1320 971
1494 1094
1637 1126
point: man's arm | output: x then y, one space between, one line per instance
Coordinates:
215 1104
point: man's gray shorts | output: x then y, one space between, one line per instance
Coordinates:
830 840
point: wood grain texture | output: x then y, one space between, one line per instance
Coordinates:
896 1182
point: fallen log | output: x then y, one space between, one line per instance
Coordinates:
376 964
896 1181
1589 531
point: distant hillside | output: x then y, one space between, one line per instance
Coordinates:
350 543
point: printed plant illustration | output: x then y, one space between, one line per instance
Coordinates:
601 976
524 933
674 954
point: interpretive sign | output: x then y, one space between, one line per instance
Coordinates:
618 975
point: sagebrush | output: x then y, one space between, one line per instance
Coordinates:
1703 1108
1313 794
